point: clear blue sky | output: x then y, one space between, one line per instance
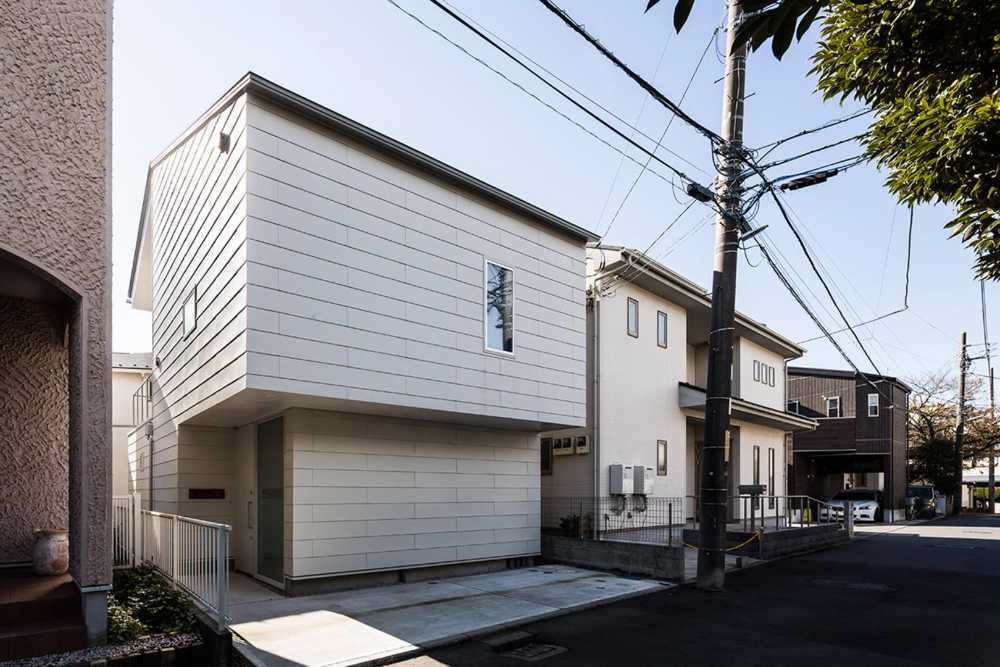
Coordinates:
376 65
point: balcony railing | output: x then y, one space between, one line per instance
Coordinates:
142 402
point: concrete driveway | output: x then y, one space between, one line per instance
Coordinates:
897 595
359 627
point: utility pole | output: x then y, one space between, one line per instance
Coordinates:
719 386
963 362
991 490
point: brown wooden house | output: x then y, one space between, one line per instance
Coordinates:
861 438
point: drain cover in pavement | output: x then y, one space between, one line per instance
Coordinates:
535 652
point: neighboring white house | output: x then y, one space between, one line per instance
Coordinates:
647 334
128 372
355 346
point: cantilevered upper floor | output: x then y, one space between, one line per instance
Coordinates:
292 257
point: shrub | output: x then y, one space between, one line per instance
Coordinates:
122 625
152 602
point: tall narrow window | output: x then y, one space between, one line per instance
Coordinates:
756 464
546 456
873 405
633 318
661 328
191 313
771 491
833 406
499 300
661 458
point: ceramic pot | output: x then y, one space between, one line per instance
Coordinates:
51 551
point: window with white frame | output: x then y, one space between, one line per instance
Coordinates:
661 328
191 313
873 405
833 406
661 458
499 304
633 318
793 406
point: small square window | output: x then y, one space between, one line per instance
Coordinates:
873 405
661 328
499 305
793 406
661 458
833 406
633 318
191 313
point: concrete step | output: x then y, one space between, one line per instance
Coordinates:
39 615
35 638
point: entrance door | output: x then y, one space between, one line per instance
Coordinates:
271 500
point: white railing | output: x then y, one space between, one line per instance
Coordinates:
123 528
191 553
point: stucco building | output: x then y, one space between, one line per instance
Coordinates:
55 286
647 341
355 346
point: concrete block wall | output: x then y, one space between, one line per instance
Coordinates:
368 493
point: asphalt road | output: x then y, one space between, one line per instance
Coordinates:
925 594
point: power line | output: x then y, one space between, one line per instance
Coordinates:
837 121
479 33
512 47
906 290
664 134
834 144
527 92
645 85
621 162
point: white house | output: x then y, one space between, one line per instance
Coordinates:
128 372
647 335
355 346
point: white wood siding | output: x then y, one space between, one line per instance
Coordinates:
368 493
197 209
366 283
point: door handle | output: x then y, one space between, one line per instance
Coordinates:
250 514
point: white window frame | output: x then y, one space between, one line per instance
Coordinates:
486 306
872 405
666 458
798 406
628 319
662 317
192 300
833 398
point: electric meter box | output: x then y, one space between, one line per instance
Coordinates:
621 480
644 481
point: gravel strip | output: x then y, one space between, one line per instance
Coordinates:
86 656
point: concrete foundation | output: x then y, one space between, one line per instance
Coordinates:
650 560
779 543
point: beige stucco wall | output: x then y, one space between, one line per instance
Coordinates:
34 424
55 186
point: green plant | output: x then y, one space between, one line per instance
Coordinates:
152 601
122 625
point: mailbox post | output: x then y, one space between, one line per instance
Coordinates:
755 491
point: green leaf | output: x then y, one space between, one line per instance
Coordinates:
783 35
650 5
681 13
807 20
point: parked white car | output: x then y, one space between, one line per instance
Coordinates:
867 505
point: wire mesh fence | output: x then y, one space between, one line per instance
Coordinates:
648 520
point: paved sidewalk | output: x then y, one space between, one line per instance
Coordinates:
362 626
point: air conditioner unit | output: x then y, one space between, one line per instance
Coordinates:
621 482
644 481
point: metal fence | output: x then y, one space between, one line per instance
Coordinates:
192 554
650 520
662 520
